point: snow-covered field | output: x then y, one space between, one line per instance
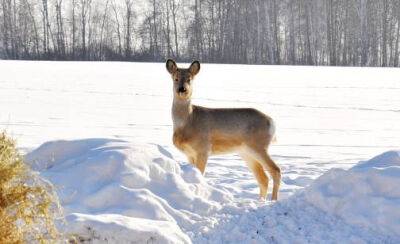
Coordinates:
120 178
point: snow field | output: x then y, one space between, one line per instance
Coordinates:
326 117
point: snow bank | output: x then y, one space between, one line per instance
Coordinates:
113 190
359 205
366 195
117 191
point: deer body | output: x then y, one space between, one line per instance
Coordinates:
200 132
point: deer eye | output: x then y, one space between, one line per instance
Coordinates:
176 80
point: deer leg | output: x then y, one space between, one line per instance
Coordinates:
258 172
201 162
275 172
191 160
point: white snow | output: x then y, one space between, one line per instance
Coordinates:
359 205
114 181
113 190
134 180
112 228
367 195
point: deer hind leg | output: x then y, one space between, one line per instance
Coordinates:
258 172
275 172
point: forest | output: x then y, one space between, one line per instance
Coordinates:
290 32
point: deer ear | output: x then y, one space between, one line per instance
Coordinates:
194 68
171 66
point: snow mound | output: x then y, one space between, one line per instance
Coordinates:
117 191
359 205
367 195
113 189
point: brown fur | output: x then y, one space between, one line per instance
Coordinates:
200 132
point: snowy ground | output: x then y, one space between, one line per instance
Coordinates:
326 118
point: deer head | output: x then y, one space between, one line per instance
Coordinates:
182 78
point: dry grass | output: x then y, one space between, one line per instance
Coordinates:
28 205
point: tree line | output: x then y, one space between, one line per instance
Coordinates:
295 32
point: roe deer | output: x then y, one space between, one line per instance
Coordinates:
200 132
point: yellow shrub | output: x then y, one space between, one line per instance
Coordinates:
28 206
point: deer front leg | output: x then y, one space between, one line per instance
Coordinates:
201 162
191 160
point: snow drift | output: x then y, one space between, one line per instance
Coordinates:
366 195
112 189
118 191
359 205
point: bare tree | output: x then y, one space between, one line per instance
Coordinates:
128 17
174 4
60 29
85 8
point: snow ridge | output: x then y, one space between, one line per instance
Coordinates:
119 191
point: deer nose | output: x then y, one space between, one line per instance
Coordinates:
182 89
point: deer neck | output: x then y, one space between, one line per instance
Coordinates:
181 111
